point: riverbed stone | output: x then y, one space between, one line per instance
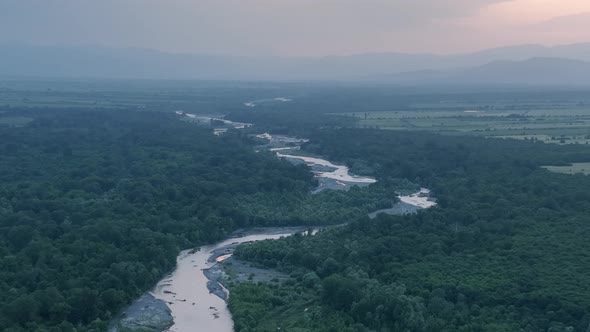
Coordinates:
146 314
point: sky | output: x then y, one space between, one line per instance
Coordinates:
296 27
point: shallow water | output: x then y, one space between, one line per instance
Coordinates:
192 305
254 103
420 199
340 172
208 119
195 309
322 168
408 204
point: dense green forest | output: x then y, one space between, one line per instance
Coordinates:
505 250
96 204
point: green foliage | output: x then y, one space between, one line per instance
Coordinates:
95 206
326 207
505 250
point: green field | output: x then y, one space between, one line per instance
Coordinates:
559 125
552 116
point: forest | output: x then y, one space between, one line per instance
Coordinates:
505 250
96 204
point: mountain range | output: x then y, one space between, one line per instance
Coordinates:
522 64
534 71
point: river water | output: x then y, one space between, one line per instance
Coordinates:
419 199
193 307
217 130
334 172
330 176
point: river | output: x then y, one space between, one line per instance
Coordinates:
419 199
330 175
222 126
335 172
193 307
196 306
193 304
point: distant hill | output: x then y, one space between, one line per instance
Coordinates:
535 71
18 60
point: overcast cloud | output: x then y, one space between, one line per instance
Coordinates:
294 27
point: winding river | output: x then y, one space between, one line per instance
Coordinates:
335 172
330 176
193 304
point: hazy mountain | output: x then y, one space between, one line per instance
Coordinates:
524 52
101 62
535 71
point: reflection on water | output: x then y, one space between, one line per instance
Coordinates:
195 309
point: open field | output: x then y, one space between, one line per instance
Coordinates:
191 96
553 115
559 125
559 116
575 168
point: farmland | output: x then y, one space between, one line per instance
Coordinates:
564 122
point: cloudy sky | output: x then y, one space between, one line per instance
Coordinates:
296 27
